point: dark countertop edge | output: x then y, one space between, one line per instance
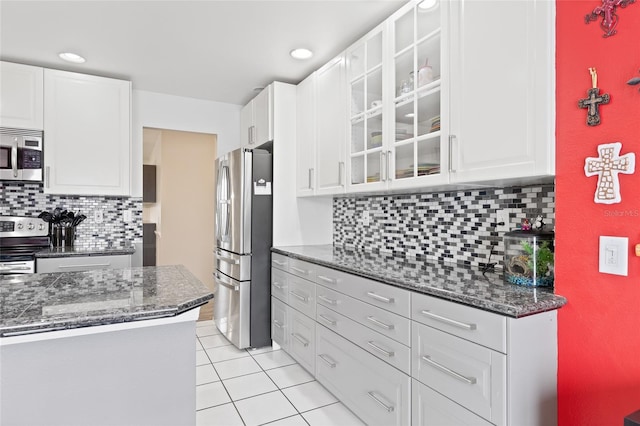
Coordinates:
49 253
70 324
487 305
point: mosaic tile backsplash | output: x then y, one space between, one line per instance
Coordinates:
28 199
453 227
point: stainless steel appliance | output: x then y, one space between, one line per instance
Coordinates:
21 154
20 239
242 303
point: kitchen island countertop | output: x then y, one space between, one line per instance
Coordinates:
34 303
444 280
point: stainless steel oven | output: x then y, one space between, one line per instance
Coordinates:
20 239
21 155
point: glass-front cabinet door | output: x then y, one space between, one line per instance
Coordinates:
366 150
418 154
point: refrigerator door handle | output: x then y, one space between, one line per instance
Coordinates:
226 284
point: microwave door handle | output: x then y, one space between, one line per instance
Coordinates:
14 158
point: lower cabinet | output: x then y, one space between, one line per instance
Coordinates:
375 391
429 408
294 332
82 263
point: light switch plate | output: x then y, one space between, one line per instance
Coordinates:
614 255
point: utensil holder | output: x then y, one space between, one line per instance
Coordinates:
62 236
69 236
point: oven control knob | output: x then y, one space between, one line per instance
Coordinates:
20 226
41 227
30 226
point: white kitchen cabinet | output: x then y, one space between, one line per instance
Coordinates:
302 340
280 323
87 134
330 128
82 263
502 90
429 408
306 136
21 96
256 120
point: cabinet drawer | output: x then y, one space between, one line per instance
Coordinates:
279 284
376 392
302 269
82 263
302 340
384 322
385 296
470 374
429 408
279 323
279 261
302 295
473 324
371 341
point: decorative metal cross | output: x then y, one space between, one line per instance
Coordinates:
594 100
609 16
607 167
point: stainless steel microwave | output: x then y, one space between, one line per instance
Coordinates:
21 155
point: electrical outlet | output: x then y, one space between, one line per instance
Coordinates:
126 216
365 218
98 216
502 219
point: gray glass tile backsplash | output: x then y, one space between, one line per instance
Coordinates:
445 226
28 199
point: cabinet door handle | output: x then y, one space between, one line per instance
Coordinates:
383 174
328 320
327 359
310 177
449 321
252 135
379 349
279 262
373 396
305 299
277 285
451 139
380 298
278 324
341 173
300 271
327 279
388 170
450 372
327 300
47 175
380 323
300 339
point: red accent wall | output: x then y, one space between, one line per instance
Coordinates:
599 328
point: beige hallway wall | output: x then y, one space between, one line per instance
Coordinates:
187 184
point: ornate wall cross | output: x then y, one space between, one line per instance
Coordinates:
594 100
607 167
609 16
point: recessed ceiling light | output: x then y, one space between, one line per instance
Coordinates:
72 57
427 4
301 53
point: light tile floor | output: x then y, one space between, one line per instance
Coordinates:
259 386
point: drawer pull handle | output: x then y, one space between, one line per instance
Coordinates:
278 324
277 285
327 359
327 279
88 265
299 296
279 262
380 298
380 323
373 396
328 320
327 300
467 380
300 271
388 354
300 339
449 321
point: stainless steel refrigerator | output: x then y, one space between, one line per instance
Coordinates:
242 303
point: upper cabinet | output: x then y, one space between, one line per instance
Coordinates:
502 90
21 96
306 136
256 120
87 134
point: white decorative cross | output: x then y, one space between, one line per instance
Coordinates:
607 167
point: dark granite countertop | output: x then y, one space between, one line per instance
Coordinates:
84 251
446 281
33 303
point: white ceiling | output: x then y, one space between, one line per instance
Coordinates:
207 49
